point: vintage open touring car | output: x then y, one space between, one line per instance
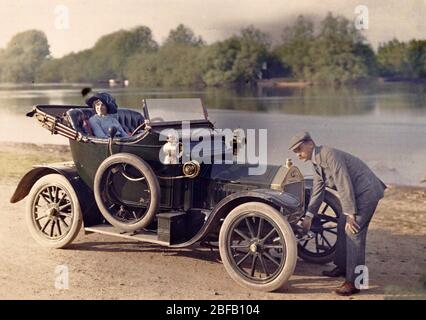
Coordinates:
121 187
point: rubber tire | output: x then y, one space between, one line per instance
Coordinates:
54 179
151 179
334 203
289 238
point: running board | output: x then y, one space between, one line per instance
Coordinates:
143 236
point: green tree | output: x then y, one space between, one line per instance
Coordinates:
417 58
368 57
238 60
24 53
73 67
50 71
337 52
106 60
294 51
174 64
182 35
110 53
170 66
255 36
392 59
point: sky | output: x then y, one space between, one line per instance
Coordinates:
74 25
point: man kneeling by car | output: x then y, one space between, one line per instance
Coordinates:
359 190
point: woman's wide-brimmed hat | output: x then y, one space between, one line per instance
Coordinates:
106 98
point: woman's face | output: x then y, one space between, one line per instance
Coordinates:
100 108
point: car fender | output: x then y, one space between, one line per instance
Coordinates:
288 205
91 215
28 180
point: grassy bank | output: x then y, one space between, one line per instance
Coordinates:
17 158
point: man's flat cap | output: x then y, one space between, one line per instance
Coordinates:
298 139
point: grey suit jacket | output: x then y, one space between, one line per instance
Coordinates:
352 178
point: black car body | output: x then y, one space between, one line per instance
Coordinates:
122 187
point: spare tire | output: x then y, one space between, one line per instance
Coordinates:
127 191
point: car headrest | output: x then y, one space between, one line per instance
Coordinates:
129 119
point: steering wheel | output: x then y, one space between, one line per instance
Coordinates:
139 127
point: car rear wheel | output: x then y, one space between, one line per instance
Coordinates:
321 247
53 212
127 192
258 247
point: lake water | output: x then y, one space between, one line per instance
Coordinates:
383 124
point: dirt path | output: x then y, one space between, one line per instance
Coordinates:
102 267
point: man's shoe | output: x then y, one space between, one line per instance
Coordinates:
346 289
336 272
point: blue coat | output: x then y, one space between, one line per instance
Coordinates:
101 124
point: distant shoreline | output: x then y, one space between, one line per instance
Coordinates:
301 83
262 83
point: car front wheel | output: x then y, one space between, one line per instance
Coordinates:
258 247
53 212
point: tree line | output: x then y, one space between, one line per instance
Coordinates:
333 51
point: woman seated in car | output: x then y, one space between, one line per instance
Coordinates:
104 105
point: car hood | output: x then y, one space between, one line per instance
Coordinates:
240 174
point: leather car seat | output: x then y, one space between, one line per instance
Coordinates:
129 119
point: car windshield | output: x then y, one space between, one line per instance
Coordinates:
165 110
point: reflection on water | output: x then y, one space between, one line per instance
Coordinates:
384 124
314 100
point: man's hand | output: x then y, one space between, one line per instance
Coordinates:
306 224
351 225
